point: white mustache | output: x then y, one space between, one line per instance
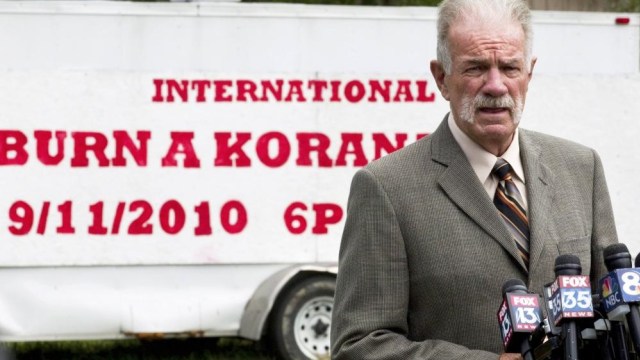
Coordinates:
484 101
471 105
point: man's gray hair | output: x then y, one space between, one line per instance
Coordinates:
486 10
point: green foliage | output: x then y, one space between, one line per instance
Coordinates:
625 5
359 2
176 349
613 5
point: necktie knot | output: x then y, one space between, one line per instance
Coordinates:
502 169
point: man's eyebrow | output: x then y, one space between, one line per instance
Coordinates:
475 61
510 62
481 61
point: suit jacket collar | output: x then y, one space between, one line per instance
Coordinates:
539 182
462 186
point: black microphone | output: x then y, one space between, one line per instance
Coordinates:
621 289
637 262
546 339
610 341
519 315
571 300
617 256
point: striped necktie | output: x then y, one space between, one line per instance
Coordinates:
511 208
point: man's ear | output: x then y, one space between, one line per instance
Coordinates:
438 74
533 63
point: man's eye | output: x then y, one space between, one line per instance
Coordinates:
473 70
511 70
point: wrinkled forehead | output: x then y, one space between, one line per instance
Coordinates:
472 35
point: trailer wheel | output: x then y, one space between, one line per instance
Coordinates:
302 320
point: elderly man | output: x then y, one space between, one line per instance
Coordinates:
434 230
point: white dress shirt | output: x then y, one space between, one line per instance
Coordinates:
483 161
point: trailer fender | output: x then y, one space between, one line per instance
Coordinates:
256 312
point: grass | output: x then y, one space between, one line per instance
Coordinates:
171 349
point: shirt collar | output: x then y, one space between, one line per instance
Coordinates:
483 161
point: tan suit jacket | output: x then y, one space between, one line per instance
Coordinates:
424 253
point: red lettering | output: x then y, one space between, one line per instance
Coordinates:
204 219
181 88
245 90
172 217
403 91
295 88
351 144
354 91
240 215
275 91
43 139
282 146
335 87
382 143
201 87
318 87
181 144
247 87
85 142
13 141
378 89
273 149
321 145
141 225
21 214
138 153
422 92
157 84
225 150
295 223
221 88
326 214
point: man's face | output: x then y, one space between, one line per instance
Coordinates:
488 82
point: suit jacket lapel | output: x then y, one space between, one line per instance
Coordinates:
539 180
461 184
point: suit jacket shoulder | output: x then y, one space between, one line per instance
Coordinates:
555 149
420 164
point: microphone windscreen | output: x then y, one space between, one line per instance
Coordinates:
513 285
567 264
616 256
637 262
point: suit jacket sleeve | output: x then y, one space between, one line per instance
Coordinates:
371 303
604 230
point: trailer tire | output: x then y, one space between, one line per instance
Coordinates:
302 320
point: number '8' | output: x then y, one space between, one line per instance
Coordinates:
631 282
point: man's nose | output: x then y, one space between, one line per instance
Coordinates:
494 83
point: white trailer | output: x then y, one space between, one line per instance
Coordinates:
182 169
